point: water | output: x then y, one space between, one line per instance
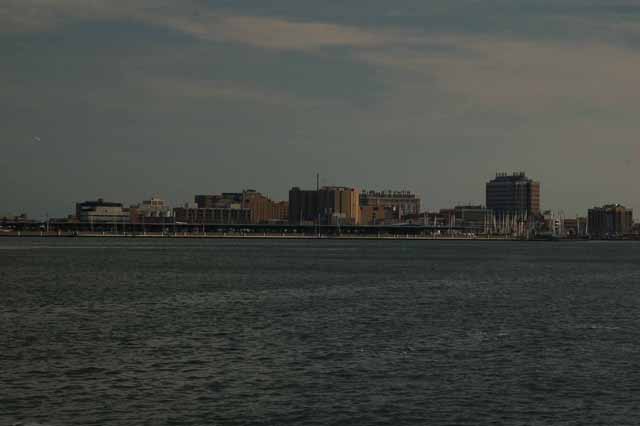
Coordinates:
222 332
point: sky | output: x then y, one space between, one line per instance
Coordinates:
126 99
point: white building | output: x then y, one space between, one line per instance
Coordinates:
155 207
101 211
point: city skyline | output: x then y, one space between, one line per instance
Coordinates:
192 200
127 99
512 212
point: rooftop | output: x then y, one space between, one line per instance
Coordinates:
100 203
513 177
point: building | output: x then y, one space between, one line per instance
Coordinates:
226 200
447 216
386 207
422 219
442 219
209 216
154 207
552 223
303 206
101 211
378 215
14 218
609 221
263 209
476 217
332 205
207 201
513 194
224 209
21 220
575 228
154 210
281 211
339 205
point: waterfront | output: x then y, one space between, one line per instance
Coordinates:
188 331
257 236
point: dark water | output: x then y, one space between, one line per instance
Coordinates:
123 332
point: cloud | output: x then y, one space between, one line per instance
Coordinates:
501 72
190 18
18 16
272 33
524 75
189 89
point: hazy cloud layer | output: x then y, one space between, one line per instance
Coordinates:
130 98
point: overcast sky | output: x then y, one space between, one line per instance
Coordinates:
133 98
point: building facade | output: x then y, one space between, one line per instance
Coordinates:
378 215
386 207
254 208
303 206
212 216
476 217
263 209
339 205
609 221
575 228
281 211
100 211
330 205
513 194
226 200
154 210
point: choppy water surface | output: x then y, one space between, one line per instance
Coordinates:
123 332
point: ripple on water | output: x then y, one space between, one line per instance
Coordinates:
318 332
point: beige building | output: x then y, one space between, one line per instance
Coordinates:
260 209
374 215
281 211
263 209
612 220
330 205
339 205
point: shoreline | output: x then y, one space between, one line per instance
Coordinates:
247 236
265 236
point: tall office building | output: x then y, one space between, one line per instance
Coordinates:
339 205
303 206
611 220
513 194
330 205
